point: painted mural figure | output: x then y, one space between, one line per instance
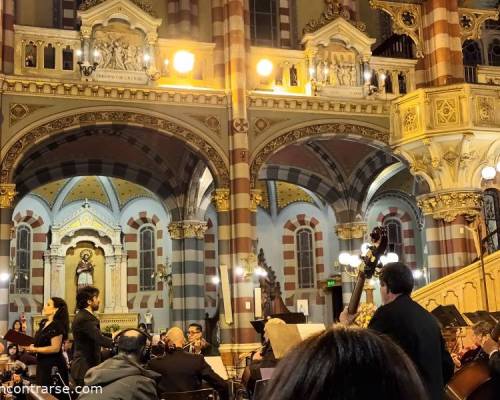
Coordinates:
85 270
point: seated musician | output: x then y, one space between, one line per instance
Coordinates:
480 331
181 371
197 344
491 348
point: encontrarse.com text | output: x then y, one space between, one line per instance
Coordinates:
49 389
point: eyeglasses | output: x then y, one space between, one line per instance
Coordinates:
193 332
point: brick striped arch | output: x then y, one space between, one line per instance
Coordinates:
115 132
407 231
364 175
371 135
210 259
331 164
331 191
32 302
214 156
136 299
291 285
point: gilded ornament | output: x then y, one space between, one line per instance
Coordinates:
351 230
18 111
7 194
333 10
446 110
175 230
485 109
255 199
449 205
471 21
410 120
142 4
194 229
221 200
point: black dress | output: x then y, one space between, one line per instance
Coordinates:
46 362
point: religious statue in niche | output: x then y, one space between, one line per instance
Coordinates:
85 270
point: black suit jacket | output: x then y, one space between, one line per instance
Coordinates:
418 333
88 340
181 372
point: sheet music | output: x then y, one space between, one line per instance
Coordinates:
307 330
218 366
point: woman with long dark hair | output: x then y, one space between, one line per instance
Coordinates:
17 326
48 344
346 364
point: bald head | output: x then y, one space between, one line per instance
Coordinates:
176 336
131 341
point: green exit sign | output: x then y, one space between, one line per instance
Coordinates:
330 282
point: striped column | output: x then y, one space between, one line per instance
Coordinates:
351 236
443 59
449 238
210 262
172 17
7 39
68 14
219 28
7 193
188 275
195 25
220 199
285 33
184 17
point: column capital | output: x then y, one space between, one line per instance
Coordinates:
187 229
220 198
450 204
255 199
351 230
7 194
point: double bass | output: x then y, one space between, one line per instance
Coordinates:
370 262
473 382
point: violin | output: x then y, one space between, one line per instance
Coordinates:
369 265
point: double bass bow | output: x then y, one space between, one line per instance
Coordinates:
369 265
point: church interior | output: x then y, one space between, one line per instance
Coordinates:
222 161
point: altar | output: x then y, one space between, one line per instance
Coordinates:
85 238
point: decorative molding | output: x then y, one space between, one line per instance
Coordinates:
351 230
449 205
255 199
446 111
221 200
7 194
49 88
407 20
333 10
106 117
311 131
317 104
240 125
210 121
471 21
144 5
261 124
19 111
187 229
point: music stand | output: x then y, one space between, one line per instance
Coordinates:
291 318
258 325
449 317
479 316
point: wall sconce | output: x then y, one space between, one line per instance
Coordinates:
86 68
488 173
183 61
264 68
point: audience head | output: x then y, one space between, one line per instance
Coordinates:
481 331
175 337
17 326
132 342
13 351
88 297
143 327
395 279
346 364
163 337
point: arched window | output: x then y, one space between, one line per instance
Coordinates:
147 258
394 236
472 57
264 22
23 260
494 53
49 57
305 258
491 209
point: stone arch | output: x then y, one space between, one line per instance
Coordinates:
370 134
216 160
